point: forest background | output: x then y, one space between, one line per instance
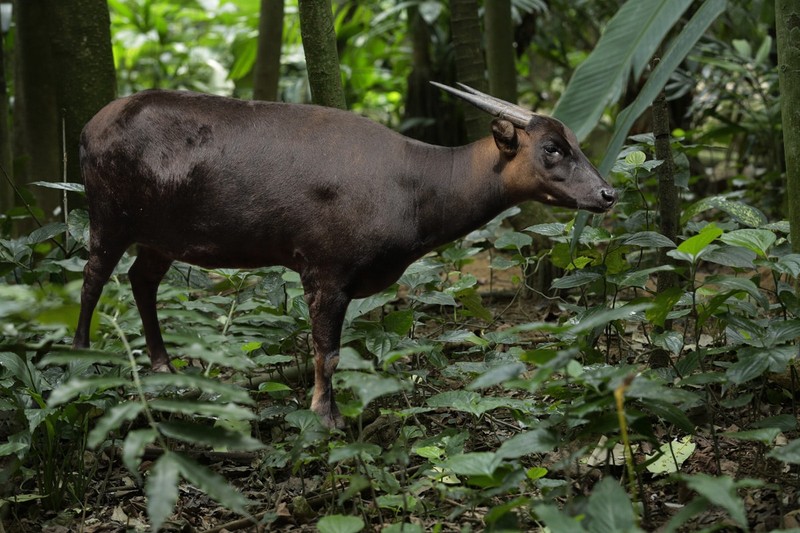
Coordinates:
602 373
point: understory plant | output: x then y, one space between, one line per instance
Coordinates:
462 409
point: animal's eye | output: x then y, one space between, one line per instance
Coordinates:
552 149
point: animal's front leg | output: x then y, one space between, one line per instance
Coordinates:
327 308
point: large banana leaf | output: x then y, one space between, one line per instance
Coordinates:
629 41
680 48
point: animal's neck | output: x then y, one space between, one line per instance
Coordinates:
462 190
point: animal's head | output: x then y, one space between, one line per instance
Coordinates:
541 156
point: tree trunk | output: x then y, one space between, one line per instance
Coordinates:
668 207
267 70
7 199
470 65
500 58
65 75
322 58
787 22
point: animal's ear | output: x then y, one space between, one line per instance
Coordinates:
505 137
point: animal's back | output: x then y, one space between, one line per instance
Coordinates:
223 182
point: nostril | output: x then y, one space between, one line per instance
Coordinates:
609 195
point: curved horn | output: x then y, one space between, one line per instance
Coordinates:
494 106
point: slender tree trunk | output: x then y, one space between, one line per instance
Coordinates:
267 70
500 58
322 58
668 207
65 75
787 22
7 199
470 65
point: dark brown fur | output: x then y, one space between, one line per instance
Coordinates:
346 202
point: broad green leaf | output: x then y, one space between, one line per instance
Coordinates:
162 489
609 508
755 240
496 375
46 232
133 448
78 386
673 455
513 240
650 239
368 387
764 435
629 40
112 419
576 279
363 306
273 386
679 48
533 441
224 391
212 484
732 256
348 451
402 528
747 368
788 264
788 454
719 490
22 370
471 300
637 278
215 437
636 158
553 229
742 213
694 245
198 408
340 524
474 463
556 520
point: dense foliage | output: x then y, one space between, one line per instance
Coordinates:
471 405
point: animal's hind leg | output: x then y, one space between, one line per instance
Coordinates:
327 307
146 273
104 254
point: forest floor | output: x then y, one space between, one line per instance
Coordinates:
294 500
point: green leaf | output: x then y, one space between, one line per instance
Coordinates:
368 387
534 441
609 508
742 213
498 374
755 240
273 386
162 489
46 232
513 240
553 229
197 408
212 436
764 435
747 368
63 186
348 451
576 279
112 419
721 491
212 484
629 40
650 239
679 48
133 448
694 245
337 523
636 158
84 386
474 463
556 520
225 392
788 454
